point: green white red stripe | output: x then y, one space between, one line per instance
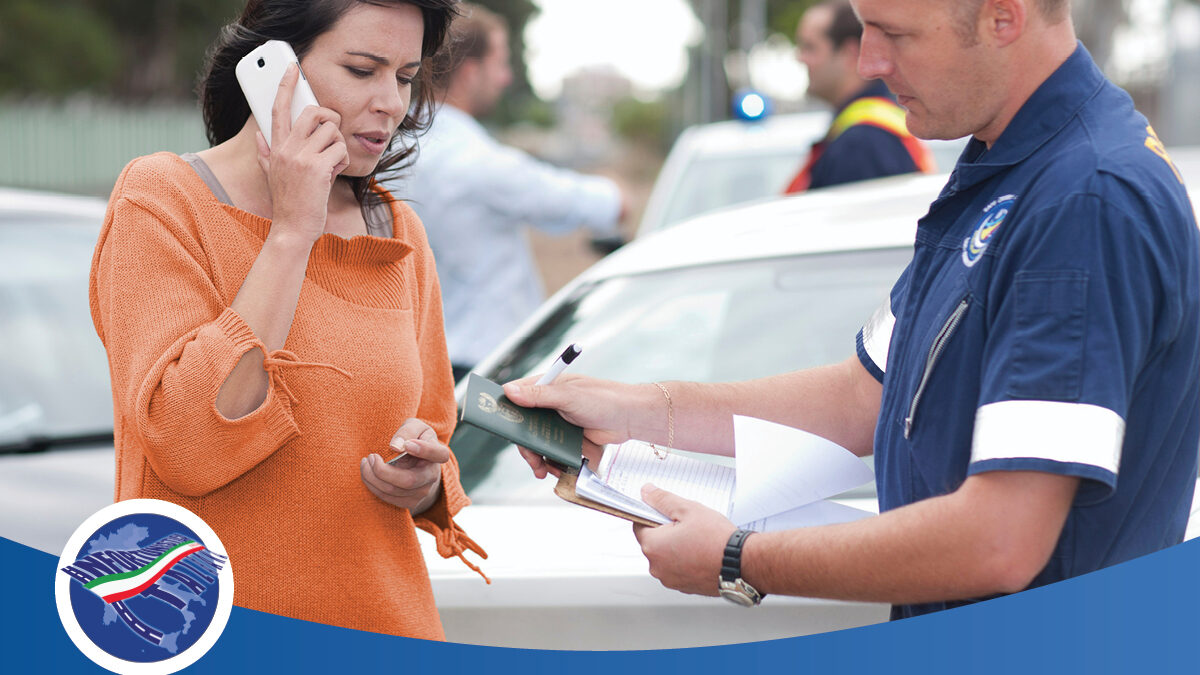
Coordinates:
114 587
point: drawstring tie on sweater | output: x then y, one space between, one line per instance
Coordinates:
282 358
452 541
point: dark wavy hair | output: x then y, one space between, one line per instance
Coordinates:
300 22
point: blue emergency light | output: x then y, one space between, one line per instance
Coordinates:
750 106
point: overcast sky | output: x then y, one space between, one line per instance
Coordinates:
645 40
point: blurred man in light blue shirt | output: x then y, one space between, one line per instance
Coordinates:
475 196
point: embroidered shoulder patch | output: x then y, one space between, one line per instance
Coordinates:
993 215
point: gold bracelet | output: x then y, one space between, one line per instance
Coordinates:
661 454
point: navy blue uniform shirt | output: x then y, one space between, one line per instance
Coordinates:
1050 321
863 151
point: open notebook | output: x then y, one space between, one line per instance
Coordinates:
783 478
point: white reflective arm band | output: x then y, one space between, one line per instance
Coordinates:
1061 432
877 334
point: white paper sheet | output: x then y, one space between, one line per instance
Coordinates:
823 512
779 467
781 480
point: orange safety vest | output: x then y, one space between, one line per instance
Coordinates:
875 111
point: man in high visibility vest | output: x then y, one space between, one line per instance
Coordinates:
868 138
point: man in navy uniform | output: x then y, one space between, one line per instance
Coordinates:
1031 387
867 138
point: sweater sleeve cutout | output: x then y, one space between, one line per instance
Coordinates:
189 444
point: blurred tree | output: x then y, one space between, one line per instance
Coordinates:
538 113
645 123
119 48
784 15
133 49
55 49
162 43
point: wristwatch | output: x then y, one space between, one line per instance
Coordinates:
731 584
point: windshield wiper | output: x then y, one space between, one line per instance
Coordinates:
44 442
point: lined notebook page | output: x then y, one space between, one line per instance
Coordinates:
627 467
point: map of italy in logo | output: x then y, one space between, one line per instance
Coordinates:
144 587
155 571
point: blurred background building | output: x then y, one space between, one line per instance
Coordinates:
85 85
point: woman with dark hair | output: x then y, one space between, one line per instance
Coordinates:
273 325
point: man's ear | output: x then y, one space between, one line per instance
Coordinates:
1005 20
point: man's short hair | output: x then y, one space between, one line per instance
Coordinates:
845 25
469 38
967 12
1055 10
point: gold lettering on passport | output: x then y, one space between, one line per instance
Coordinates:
510 413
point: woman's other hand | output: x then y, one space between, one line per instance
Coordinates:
301 166
413 481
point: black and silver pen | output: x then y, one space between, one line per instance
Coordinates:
560 364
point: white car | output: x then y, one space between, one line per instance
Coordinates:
56 453
712 166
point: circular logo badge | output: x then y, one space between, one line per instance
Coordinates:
993 215
144 586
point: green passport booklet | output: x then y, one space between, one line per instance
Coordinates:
540 429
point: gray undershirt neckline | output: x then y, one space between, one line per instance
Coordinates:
378 215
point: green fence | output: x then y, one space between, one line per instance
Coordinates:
81 146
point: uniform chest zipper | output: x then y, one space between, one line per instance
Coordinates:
935 352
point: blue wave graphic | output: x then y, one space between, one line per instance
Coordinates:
1140 616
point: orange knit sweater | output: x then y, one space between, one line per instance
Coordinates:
281 486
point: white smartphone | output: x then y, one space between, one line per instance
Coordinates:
259 73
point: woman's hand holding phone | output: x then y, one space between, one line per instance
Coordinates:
301 162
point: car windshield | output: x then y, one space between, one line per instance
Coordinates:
710 323
55 374
715 182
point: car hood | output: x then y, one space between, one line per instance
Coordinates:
44 496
